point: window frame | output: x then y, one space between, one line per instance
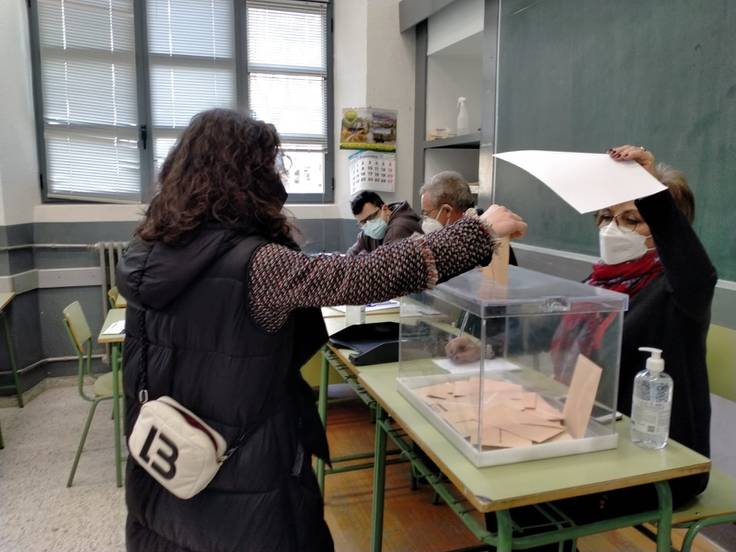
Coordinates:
144 106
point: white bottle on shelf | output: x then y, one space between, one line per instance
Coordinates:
651 403
462 117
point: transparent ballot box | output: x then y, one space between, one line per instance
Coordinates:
514 372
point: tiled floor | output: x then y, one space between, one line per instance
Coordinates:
38 513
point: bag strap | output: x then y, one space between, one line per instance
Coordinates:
142 388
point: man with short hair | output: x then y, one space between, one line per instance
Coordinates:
381 223
445 199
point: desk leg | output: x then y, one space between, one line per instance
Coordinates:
505 531
11 356
379 481
322 409
664 526
114 359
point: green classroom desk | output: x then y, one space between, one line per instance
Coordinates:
498 488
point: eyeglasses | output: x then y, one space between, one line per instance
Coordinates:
283 163
628 220
369 218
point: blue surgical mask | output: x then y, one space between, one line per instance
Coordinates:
375 228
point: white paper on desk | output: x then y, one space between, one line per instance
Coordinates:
115 328
375 307
587 181
491 365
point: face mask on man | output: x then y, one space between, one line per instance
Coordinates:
375 228
430 224
618 246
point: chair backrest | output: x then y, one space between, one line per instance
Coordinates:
112 295
77 324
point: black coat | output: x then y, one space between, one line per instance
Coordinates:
206 352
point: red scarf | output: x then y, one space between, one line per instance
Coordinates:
629 277
583 333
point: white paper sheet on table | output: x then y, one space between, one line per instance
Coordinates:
491 365
375 307
115 328
587 181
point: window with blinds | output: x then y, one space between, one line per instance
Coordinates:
191 64
109 123
287 83
89 99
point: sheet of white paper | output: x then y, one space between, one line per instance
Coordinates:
375 307
491 365
115 328
587 181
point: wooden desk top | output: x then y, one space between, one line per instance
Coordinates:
510 485
5 298
113 315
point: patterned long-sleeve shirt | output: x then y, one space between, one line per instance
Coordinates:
282 279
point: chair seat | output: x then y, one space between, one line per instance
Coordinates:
103 385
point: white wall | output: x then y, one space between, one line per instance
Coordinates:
391 77
19 185
363 75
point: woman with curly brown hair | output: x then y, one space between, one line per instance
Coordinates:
225 307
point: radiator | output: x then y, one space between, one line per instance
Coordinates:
110 253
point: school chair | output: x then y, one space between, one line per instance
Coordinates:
81 337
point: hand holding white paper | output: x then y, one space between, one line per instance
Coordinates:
587 181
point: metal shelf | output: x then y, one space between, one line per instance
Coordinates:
466 141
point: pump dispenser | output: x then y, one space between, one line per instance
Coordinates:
651 403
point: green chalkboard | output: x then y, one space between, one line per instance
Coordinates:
583 75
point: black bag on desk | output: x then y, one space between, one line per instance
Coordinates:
374 343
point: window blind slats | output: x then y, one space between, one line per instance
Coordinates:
179 93
92 24
289 35
93 166
294 104
90 104
201 28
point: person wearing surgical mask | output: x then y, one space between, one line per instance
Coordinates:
649 251
381 223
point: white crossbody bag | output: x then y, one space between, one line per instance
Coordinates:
175 446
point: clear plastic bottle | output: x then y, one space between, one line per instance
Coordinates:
652 403
462 117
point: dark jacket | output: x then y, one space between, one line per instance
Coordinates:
206 352
672 313
402 223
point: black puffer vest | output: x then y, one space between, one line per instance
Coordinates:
206 352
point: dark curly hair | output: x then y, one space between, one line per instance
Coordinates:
222 169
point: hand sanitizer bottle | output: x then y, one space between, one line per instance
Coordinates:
652 403
462 117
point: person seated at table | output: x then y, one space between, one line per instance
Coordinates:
650 251
445 199
381 223
224 305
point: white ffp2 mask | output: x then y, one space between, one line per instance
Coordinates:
618 246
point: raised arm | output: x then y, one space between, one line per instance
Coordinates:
690 274
283 280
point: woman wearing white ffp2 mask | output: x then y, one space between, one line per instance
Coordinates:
620 242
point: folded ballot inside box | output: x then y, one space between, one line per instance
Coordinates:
512 372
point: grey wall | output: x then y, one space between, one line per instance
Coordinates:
34 314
